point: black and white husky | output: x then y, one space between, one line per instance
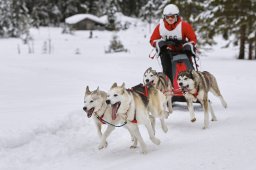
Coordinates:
195 86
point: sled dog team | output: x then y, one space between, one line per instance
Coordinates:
142 104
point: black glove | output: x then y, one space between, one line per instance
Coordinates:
189 48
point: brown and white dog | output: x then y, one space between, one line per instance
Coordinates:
195 86
160 81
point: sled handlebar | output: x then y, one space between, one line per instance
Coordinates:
175 42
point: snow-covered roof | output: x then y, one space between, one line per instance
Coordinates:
79 17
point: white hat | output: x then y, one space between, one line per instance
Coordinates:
171 9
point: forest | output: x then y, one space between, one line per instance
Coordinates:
234 20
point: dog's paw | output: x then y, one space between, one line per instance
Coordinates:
133 147
103 145
205 127
193 120
214 119
165 129
144 151
155 141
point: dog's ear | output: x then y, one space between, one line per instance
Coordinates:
98 90
195 75
191 74
87 91
123 86
114 85
154 72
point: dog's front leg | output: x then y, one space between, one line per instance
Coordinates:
98 127
135 131
134 145
103 142
191 110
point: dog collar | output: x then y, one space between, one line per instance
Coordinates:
100 118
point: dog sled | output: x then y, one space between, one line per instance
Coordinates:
181 61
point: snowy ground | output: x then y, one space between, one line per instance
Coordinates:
43 126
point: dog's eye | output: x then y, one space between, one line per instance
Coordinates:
185 78
91 101
115 95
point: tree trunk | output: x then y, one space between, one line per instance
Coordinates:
255 46
242 42
250 50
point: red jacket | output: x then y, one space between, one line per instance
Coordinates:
187 32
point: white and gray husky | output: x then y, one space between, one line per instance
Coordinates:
130 106
95 105
195 86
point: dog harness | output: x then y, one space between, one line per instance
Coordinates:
100 118
143 92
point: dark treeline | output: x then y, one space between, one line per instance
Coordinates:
235 20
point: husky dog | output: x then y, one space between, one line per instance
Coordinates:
160 81
95 104
130 106
195 86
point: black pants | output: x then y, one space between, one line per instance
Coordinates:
166 61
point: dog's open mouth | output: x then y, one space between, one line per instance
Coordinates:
115 108
185 88
90 112
150 82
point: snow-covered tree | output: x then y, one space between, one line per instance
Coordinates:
147 12
6 25
112 9
15 19
233 19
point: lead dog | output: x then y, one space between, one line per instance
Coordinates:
195 86
131 107
95 105
160 81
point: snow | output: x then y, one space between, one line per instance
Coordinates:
43 126
79 17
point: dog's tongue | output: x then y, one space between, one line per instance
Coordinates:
89 112
114 111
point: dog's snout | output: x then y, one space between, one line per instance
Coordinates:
147 80
85 108
180 84
108 101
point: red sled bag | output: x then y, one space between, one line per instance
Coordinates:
180 63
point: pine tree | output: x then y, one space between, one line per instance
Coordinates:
112 9
147 12
15 19
6 25
233 18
